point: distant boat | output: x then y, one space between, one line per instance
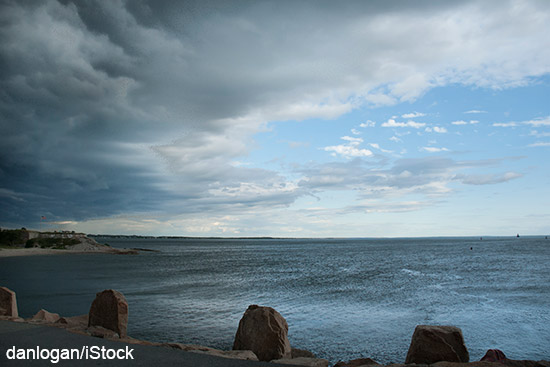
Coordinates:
517 235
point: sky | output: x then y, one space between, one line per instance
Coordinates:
276 118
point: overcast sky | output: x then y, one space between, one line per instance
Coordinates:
276 118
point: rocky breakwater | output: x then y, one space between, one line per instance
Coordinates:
262 335
443 346
107 319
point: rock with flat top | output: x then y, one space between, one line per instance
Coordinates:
431 344
45 316
110 310
265 332
8 303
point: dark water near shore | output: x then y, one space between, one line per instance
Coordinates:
342 299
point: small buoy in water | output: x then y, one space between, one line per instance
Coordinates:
471 248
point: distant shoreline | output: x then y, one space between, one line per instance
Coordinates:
473 237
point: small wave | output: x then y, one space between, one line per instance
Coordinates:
411 272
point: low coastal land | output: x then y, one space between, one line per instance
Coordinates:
23 242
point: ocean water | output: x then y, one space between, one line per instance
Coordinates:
342 298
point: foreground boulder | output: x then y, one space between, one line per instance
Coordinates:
265 332
431 344
8 303
109 310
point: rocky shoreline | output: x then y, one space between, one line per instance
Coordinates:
261 336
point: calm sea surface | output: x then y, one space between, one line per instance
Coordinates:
342 298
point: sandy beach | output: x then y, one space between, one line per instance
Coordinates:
35 251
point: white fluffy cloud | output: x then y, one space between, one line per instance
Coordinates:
349 150
543 121
437 129
434 149
538 122
368 123
462 122
505 124
488 178
428 177
539 134
393 123
413 115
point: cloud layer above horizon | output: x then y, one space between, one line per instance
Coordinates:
267 118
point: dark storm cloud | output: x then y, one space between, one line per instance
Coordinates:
111 107
65 110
